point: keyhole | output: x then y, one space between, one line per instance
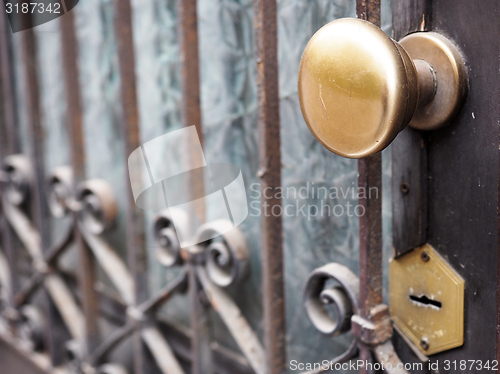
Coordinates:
425 301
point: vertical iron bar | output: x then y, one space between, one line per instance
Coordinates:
8 87
370 224
188 38
10 141
38 203
74 118
266 37
202 362
135 221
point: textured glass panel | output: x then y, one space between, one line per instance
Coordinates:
228 67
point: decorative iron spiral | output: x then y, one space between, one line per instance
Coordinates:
343 297
18 175
168 250
99 206
319 294
60 187
227 256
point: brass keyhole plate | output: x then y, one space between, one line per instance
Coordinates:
427 300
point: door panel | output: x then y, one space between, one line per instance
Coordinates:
462 174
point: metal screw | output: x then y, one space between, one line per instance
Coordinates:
425 256
424 344
405 188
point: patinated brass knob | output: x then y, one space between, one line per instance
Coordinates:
358 88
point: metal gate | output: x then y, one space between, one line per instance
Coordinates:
86 276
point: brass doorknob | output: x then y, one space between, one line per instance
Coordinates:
358 88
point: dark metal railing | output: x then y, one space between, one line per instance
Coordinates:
90 206
207 268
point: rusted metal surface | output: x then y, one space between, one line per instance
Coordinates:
55 286
370 236
369 10
190 64
74 118
209 286
191 116
162 352
336 286
50 258
344 298
190 69
135 237
200 342
111 342
131 133
211 267
111 264
375 330
177 285
240 329
370 224
17 358
266 39
370 241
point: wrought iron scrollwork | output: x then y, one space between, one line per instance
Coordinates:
60 191
168 250
227 258
18 178
98 206
92 209
334 285
343 297
218 263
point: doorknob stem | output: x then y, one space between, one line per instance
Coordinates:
427 83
